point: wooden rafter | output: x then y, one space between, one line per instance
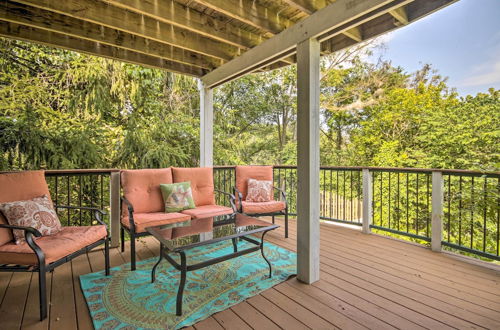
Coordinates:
400 15
336 18
251 13
49 38
51 21
171 12
101 13
308 6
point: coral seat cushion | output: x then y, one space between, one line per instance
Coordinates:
17 187
263 207
144 220
202 183
243 173
55 247
142 189
206 211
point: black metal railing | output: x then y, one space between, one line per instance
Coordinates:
88 188
402 202
472 212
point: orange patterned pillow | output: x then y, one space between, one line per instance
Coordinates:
259 191
38 213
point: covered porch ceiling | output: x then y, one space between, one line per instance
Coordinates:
197 37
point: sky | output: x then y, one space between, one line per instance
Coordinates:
461 41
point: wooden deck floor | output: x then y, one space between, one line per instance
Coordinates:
367 281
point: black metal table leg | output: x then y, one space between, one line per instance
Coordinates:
156 265
235 244
181 284
263 256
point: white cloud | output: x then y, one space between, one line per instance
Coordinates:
487 73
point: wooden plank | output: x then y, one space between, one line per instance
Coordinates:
63 313
434 289
313 305
48 38
208 324
298 311
229 320
171 12
4 283
449 306
340 306
31 317
81 266
279 316
251 13
101 13
51 21
339 16
258 320
392 258
14 301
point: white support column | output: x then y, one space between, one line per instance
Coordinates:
114 205
437 211
308 54
367 200
206 125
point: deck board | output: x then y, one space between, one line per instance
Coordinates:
367 281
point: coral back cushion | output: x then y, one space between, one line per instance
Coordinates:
142 189
243 173
17 187
202 183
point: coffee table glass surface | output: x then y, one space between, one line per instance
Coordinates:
178 237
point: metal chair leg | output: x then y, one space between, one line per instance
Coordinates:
42 292
286 222
132 251
273 219
122 238
106 255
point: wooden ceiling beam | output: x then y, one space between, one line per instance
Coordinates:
354 33
400 15
334 19
251 13
171 12
51 21
98 12
308 6
16 31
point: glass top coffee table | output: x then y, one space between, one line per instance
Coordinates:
182 236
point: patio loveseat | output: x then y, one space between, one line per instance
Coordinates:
143 205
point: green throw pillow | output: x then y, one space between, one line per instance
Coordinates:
177 196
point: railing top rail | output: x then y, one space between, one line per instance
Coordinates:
81 171
401 169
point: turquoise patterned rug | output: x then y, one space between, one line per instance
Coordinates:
128 300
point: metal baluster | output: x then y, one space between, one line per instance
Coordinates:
397 203
428 207
417 196
460 211
407 202
389 204
472 214
449 207
484 212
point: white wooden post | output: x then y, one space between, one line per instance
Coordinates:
114 205
437 211
367 200
308 53
206 125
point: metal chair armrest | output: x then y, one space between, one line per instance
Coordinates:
98 213
283 194
231 198
240 198
30 230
